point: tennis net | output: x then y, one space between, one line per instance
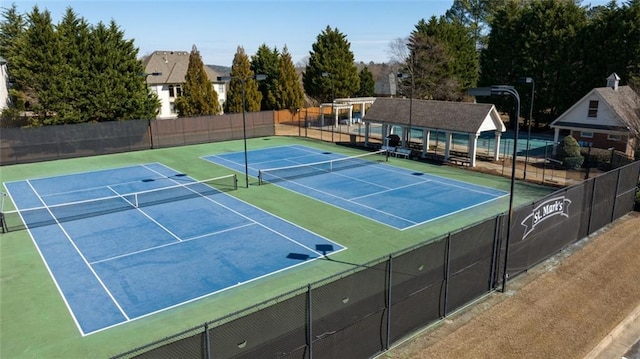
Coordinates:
60 213
272 175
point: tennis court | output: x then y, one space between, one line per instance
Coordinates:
127 242
366 184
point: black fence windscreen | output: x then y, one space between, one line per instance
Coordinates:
24 145
363 312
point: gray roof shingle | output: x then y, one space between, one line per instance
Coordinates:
173 65
464 117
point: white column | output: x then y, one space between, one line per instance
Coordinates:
496 149
447 144
350 114
425 142
473 148
556 136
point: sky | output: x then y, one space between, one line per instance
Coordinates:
218 27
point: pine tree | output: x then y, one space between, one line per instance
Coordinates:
242 82
199 98
115 87
75 49
74 72
12 28
445 60
265 62
331 55
288 89
367 84
35 66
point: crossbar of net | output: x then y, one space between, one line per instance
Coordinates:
59 213
273 175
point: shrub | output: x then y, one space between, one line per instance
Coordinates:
569 153
573 163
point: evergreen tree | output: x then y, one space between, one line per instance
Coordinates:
475 15
242 81
12 28
428 69
75 49
610 43
331 54
450 53
367 84
198 97
74 72
288 89
35 66
537 40
116 89
265 62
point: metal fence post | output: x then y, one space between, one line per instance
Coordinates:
309 324
389 275
447 273
206 341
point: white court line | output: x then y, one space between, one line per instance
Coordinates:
115 302
133 206
171 244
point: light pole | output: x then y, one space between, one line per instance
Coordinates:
243 80
504 90
404 76
146 83
533 90
333 95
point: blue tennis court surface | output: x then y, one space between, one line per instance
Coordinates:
127 242
368 186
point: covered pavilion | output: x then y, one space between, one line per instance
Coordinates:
470 119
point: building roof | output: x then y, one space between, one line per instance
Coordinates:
623 102
460 117
173 67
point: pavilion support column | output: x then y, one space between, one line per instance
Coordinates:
367 128
447 144
472 148
556 137
321 116
425 142
496 149
405 133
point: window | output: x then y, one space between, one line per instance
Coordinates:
172 108
586 134
175 91
220 89
593 108
614 138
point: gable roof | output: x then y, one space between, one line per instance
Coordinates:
173 65
623 102
461 117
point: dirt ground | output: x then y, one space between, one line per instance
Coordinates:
562 308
